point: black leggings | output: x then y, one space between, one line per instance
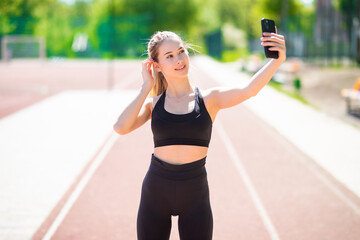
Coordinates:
170 189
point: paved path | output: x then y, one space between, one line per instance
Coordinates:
262 184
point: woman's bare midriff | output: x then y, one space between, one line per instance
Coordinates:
180 154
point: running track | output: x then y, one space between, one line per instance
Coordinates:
261 186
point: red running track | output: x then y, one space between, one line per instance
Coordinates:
261 187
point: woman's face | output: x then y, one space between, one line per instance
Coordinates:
173 59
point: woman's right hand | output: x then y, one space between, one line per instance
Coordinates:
147 72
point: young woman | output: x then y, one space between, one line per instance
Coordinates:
181 121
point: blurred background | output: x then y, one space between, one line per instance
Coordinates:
61 58
320 34
327 30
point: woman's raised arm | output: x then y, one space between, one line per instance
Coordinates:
225 97
135 114
139 110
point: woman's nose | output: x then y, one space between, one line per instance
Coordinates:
179 59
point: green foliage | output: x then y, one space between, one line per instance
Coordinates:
9 8
235 43
54 23
235 54
112 32
16 16
122 27
305 20
234 11
176 15
350 9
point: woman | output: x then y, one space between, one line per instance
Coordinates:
181 120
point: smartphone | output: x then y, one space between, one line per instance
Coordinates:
268 25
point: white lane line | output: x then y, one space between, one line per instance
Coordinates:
334 189
81 185
326 181
250 187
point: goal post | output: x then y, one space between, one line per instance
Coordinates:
21 46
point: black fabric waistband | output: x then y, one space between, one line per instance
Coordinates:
177 172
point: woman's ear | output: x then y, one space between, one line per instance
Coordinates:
157 67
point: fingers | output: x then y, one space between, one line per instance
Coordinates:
148 67
275 41
272 40
148 63
275 46
272 35
272 44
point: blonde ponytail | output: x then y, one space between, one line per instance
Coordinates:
160 84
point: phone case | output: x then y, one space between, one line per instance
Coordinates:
268 25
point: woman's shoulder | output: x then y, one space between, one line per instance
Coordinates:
152 100
207 92
211 94
155 99
214 90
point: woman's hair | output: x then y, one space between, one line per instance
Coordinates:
153 51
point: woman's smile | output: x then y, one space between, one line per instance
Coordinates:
181 68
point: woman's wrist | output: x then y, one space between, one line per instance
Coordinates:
278 61
146 86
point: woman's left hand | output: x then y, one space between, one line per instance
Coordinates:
276 42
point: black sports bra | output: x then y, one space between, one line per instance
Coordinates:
192 128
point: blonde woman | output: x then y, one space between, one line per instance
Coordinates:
181 121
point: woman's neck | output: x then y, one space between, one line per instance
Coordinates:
179 89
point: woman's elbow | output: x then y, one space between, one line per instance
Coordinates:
249 94
120 130
252 92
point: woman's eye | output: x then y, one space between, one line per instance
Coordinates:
169 56
182 51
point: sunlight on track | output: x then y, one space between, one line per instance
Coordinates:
250 187
316 172
40 161
83 182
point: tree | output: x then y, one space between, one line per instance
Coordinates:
53 21
351 11
16 16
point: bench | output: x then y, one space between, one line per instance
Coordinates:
352 97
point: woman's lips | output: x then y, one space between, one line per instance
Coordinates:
180 68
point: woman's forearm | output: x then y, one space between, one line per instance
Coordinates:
130 113
275 42
263 76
